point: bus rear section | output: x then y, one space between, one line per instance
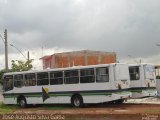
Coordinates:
121 82
143 80
111 85
157 72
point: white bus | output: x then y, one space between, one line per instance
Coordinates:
157 68
76 85
143 80
158 87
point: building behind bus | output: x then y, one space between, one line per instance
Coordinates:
78 58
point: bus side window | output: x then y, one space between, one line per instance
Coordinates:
87 75
56 78
30 79
134 73
18 80
102 74
8 83
71 77
42 78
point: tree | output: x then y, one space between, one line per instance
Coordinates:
1 74
18 65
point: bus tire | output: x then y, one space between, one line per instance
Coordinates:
120 101
77 101
22 102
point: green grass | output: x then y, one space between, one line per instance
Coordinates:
152 111
4 109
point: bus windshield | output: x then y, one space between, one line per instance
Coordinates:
121 72
8 83
149 72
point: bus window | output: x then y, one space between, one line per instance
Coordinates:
56 78
42 78
87 76
8 83
71 77
102 75
134 73
18 80
30 79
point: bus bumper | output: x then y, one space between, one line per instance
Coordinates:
144 93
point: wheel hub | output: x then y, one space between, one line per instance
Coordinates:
22 102
77 102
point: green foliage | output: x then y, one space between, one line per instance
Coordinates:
152 111
4 109
18 66
1 74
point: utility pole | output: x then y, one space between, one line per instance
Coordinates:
6 49
42 51
28 59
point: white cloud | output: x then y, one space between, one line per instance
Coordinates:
125 27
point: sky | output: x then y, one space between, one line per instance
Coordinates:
131 28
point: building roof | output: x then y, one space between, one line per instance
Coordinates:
46 57
80 51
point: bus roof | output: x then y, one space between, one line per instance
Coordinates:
140 64
67 68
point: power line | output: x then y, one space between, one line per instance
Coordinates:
2 39
6 49
134 59
19 51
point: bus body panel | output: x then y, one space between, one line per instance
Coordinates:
122 76
95 92
144 82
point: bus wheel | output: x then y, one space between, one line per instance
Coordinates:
77 101
120 101
22 102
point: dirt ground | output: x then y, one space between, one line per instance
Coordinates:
100 111
93 109
133 109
